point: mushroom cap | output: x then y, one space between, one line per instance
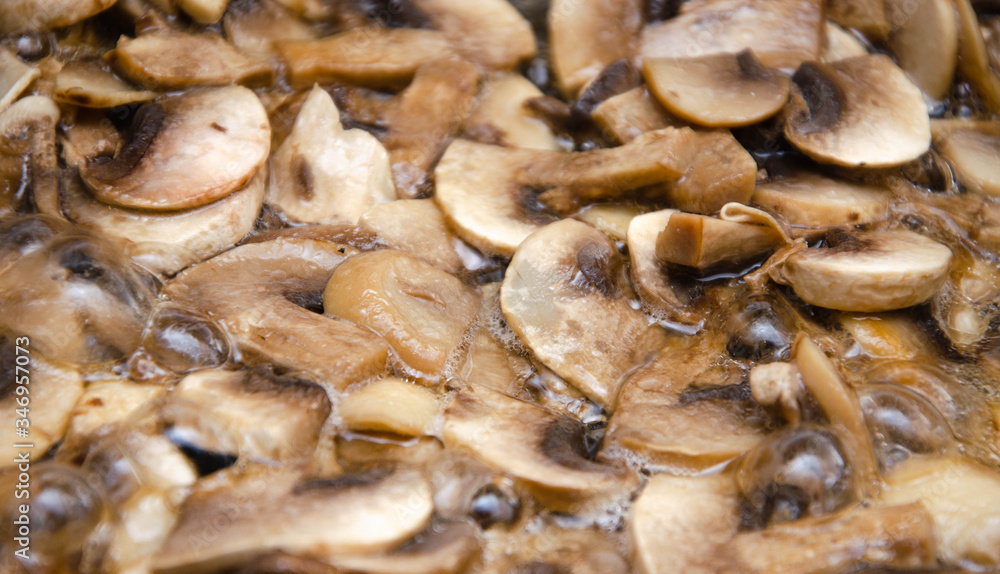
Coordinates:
721 90
186 150
874 271
860 111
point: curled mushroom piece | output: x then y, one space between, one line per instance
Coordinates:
700 172
325 174
15 77
168 59
545 453
723 90
868 271
564 294
277 510
39 15
814 201
782 33
836 108
185 151
28 158
971 148
250 290
89 84
586 37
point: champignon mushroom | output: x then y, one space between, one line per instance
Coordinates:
390 405
839 44
255 26
870 17
576 550
720 90
247 289
931 65
564 295
267 510
40 15
421 311
971 149
28 158
444 548
847 112
782 33
325 174
652 282
868 271
509 42
586 37
707 242
416 227
892 335
15 77
273 417
625 117
974 58
500 116
87 83
185 151
542 451
167 59
815 201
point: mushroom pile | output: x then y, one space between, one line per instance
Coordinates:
504 286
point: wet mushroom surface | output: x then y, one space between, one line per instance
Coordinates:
499 287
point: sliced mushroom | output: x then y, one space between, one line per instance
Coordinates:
625 117
28 158
782 34
86 134
371 57
509 42
270 510
860 111
708 242
868 271
586 37
840 44
325 174
966 307
45 390
89 84
248 290
812 200
887 335
421 311
15 77
651 280
681 523
564 294
500 117
255 26
185 151
963 498
514 186
203 11
611 219
39 15
870 17
971 149
444 549
974 57
931 65
720 90
543 452
167 59
390 405
100 410
565 549
416 227
273 417
166 242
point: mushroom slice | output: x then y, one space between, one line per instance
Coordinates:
868 271
167 59
586 37
963 498
247 289
53 389
186 150
610 219
974 57
255 26
971 149
782 33
720 90
870 17
931 65
444 549
564 294
270 510
203 11
325 174
89 84
840 44
565 549
894 335
100 410
680 524
426 116
510 40
542 451
166 242
651 280
41 15
390 405
710 243
416 227
28 158
812 200
836 108
273 416
15 77
625 117
501 118
421 311
371 57
893 537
